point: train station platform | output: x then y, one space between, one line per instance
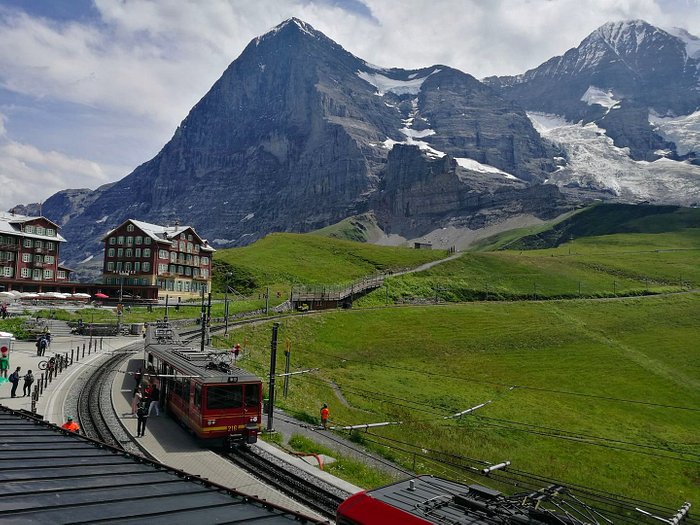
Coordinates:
169 443
52 402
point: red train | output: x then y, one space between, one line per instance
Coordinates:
218 402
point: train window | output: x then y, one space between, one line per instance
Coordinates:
186 389
198 396
252 395
228 396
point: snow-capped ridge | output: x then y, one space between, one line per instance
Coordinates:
386 84
300 24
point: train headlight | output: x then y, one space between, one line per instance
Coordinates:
211 422
254 419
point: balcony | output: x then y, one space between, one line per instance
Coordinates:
9 247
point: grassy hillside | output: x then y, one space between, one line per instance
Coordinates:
362 228
596 383
311 259
606 219
610 265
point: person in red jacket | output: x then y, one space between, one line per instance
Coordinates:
324 416
71 425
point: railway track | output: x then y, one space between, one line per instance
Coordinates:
95 413
295 483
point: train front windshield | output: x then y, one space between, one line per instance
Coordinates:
233 396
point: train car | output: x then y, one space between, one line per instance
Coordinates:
426 500
217 401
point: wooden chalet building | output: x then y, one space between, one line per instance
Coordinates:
29 255
140 255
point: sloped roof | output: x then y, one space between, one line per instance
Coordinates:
53 476
10 223
161 233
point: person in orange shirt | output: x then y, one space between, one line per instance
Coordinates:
71 425
324 416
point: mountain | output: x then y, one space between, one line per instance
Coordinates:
298 134
619 75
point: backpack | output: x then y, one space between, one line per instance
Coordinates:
14 377
142 410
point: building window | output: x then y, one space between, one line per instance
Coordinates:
112 240
120 239
49 246
188 271
127 266
146 252
38 245
130 227
173 257
204 273
26 257
138 239
110 252
183 246
196 260
29 228
49 259
50 232
162 254
120 252
27 243
129 253
61 274
48 274
7 271
137 266
110 266
118 266
25 272
129 240
146 267
190 247
137 252
205 261
36 275
147 240
40 230
37 258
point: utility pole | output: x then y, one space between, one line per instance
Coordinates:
208 319
273 361
202 321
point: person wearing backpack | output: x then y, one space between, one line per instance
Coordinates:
142 415
27 386
14 379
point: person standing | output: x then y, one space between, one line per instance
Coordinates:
28 380
136 400
4 363
71 425
324 416
142 415
155 400
137 377
14 379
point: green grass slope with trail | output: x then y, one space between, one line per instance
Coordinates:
607 392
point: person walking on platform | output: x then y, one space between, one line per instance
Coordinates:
155 400
14 379
324 416
136 400
142 415
28 380
71 425
137 377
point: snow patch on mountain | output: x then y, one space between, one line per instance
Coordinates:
385 84
422 145
595 162
595 95
472 165
684 131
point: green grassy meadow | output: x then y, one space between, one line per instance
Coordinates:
572 363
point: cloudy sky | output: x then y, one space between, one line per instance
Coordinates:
90 89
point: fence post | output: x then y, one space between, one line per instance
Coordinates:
71 356
41 383
100 344
83 349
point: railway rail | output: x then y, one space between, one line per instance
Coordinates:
305 488
95 412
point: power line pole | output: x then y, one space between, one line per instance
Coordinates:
273 361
